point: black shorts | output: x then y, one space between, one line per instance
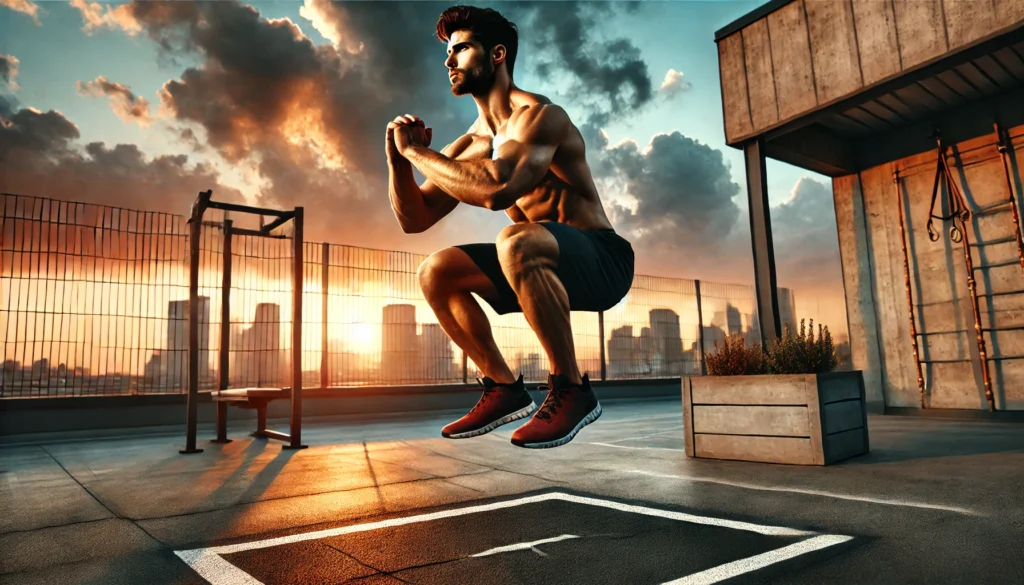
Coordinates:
595 267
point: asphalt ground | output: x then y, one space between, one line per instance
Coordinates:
390 501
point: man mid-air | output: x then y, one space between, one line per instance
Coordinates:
524 156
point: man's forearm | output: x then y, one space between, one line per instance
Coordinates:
475 182
406 197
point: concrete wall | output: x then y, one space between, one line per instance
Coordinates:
877 305
810 53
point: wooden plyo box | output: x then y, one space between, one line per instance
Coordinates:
802 419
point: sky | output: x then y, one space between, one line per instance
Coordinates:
144 104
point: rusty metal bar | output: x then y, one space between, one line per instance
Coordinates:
246 208
1004 156
225 335
295 432
192 405
910 292
265 230
250 232
325 264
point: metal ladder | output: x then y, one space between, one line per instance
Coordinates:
960 214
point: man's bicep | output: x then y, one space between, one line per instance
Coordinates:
526 157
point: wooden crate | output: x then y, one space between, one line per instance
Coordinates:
802 419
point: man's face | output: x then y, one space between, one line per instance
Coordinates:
469 66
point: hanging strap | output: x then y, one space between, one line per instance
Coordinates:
957 204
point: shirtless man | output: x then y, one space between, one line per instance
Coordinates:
525 157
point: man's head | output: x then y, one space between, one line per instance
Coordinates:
479 41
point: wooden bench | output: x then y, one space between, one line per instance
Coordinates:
257 398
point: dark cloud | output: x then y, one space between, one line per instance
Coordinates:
8 68
128 106
683 189
38 158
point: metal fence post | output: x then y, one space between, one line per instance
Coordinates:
192 400
225 335
324 268
700 330
600 333
298 272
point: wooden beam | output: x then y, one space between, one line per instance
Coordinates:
761 240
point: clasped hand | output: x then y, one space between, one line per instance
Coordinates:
405 132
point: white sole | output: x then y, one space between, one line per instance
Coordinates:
517 415
594 415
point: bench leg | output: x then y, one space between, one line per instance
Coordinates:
222 423
261 419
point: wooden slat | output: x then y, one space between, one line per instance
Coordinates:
1012 62
789 421
846 126
921 31
780 389
920 99
815 420
979 80
835 388
735 102
845 445
958 84
791 60
901 109
763 449
1008 11
940 90
968 20
842 416
876 39
883 113
864 117
687 387
996 72
764 110
833 49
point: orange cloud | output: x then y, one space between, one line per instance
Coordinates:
97 16
128 106
25 7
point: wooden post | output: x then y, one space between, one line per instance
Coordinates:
761 241
324 268
700 331
295 432
225 335
600 333
192 407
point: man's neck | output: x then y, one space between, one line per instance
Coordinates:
495 107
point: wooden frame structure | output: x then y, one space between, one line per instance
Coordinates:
256 398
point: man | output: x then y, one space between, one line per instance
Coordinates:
523 156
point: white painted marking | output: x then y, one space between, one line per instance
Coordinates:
215 568
209 564
524 545
636 448
641 437
840 496
735 568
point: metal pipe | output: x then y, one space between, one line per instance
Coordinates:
225 334
1004 157
192 405
325 265
910 294
297 274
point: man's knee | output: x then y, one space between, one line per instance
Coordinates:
434 271
519 244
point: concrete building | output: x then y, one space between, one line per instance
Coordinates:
256 356
879 96
174 358
400 345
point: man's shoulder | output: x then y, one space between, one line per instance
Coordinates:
547 119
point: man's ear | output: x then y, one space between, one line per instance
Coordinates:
499 53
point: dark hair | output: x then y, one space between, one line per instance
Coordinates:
487 25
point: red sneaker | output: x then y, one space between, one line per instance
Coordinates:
500 404
566 410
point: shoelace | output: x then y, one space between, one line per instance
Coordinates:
553 401
487 393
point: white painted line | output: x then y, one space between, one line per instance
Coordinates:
210 565
840 496
215 569
637 448
524 545
641 437
736 568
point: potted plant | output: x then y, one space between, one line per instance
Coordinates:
782 404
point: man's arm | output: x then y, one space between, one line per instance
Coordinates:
533 135
418 207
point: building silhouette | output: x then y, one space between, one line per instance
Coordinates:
174 359
437 354
256 357
400 345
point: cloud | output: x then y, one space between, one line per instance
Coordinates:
25 7
804 236
97 17
38 158
128 106
9 70
674 84
682 191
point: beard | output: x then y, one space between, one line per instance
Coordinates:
475 81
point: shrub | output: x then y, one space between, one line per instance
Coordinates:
790 354
735 359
